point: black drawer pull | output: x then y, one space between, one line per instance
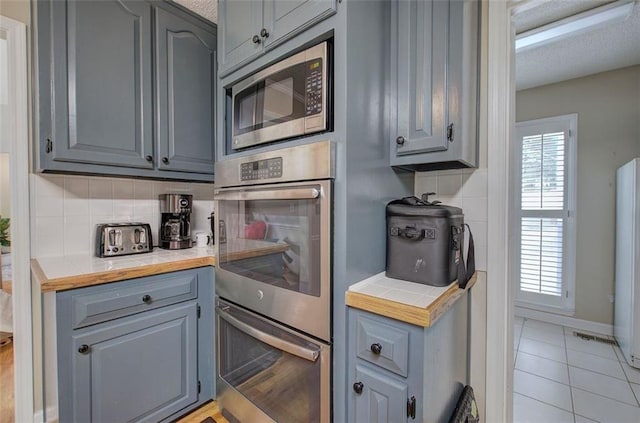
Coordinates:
84 349
146 298
357 387
376 348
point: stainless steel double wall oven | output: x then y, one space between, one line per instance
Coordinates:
273 284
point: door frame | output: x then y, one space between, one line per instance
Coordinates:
19 173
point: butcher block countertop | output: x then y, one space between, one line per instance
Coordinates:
77 271
410 302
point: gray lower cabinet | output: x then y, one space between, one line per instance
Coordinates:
434 81
108 104
138 350
249 28
398 372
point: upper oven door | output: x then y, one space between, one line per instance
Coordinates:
285 100
273 252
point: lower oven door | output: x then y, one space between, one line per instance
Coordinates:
267 372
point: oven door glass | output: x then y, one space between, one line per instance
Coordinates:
273 236
283 374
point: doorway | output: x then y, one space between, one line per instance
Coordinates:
15 315
565 365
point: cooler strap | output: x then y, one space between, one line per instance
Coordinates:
466 271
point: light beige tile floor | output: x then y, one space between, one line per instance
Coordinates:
559 377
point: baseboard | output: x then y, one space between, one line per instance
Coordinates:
558 319
52 415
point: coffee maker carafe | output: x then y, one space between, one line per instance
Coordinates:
175 227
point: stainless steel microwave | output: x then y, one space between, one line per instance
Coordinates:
286 100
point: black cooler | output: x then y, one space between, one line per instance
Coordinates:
425 242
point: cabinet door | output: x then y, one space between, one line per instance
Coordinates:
136 369
186 79
98 54
419 31
239 21
284 18
383 399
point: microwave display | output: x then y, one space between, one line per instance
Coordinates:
286 100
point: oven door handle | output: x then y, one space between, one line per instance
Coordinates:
269 194
274 341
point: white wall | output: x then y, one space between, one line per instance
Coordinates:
608 108
66 209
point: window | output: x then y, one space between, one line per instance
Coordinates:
545 177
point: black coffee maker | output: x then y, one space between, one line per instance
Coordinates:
175 226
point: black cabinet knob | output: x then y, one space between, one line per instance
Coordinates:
148 158
264 33
165 160
400 140
146 298
376 348
358 387
84 348
256 39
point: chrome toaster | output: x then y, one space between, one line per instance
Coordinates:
119 239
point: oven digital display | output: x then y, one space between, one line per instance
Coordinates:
261 169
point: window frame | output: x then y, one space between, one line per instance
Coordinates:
565 304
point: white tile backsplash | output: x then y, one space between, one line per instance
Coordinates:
68 208
466 189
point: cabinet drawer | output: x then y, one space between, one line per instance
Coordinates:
110 302
382 344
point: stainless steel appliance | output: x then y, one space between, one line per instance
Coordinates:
268 372
273 272
288 99
175 224
119 239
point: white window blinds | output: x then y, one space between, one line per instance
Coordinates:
543 211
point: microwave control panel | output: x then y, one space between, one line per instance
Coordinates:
261 169
313 87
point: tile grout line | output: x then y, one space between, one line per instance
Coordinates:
566 354
625 373
545 403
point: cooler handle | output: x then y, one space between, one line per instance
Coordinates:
408 232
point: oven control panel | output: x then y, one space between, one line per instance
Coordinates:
261 169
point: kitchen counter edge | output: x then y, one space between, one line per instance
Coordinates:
419 316
89 279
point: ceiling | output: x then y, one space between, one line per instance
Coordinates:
205 8
612 47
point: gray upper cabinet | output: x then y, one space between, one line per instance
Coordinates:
434 73
186 81
259 25
99 111
239 22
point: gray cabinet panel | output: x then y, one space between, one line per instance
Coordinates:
283 18
239 21
152 365
143 369
384 345
102 92
102 96
249 28
186 78
422 29
383 399
434 77
111 302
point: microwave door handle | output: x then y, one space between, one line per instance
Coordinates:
280 194
274 341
